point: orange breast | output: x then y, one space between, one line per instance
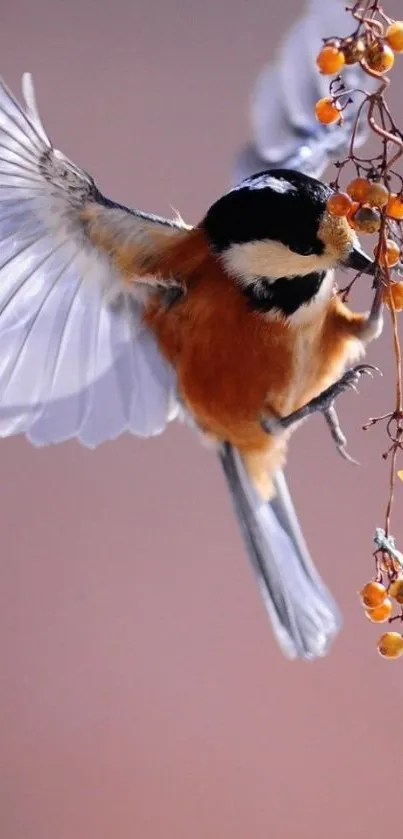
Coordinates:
227 357
233 363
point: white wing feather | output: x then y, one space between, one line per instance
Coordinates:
71 363
286 133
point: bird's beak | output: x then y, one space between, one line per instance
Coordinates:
358 260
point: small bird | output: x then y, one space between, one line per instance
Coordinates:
113 320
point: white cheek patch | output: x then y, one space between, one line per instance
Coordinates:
271 260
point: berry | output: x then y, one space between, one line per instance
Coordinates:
381 613
394 291
394 207
373 594
339 204
390 645
390 255
351 213
353 50
379 57
330 60
378 195
394 35
367 220
358 189
396 590
327 111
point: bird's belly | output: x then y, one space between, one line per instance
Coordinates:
224 379
233 365
316 367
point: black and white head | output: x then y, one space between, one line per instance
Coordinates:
277 239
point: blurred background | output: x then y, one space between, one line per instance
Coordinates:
142 692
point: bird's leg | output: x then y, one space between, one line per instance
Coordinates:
324 403
372 326
340 440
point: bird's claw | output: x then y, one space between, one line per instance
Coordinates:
348 381
339 438
324 403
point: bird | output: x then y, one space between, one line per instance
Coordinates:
114 320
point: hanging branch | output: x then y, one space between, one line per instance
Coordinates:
373 203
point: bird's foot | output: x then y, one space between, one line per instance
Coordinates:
324 403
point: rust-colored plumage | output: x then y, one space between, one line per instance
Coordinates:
233 363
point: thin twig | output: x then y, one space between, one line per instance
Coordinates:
371 22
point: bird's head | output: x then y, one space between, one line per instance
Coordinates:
275 226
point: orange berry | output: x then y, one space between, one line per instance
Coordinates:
390 645
339 204
327 111
378 195
381 613
330 60
394 208
358 189
390 255
353 50
394 35
396 590
373 594
379 57
394 291
367 220
351 213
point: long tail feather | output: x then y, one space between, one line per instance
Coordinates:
304 616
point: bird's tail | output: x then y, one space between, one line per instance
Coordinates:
304 616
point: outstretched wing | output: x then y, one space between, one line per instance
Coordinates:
286 133
75 359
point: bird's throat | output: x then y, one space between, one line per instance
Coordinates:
285 295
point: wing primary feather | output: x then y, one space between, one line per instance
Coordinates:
74 361
9 191
22 121
20 179
8 155
28 92
92 365
11 154
48 377
16 253
22 144
6 379
40 377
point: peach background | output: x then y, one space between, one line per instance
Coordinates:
142 693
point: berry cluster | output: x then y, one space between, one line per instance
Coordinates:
373 50
362 204
377 600
372 202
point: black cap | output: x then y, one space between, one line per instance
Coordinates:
278 204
